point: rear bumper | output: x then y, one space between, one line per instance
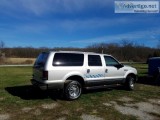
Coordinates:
46 86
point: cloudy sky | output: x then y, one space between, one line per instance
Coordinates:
73 23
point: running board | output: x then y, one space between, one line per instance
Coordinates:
103 86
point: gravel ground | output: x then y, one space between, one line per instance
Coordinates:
63 118
27 109
49 106
148 110
90 117
4 116
37 112
2 98
143 110
125 99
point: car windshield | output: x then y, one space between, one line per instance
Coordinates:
41 59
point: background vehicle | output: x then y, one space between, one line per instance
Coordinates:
72 71
154 68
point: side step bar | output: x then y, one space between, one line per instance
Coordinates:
103 86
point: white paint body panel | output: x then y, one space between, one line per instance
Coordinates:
59 74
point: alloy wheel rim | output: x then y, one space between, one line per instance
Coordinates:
74 91
131 83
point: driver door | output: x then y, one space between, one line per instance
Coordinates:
114 71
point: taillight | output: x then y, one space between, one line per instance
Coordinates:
45 75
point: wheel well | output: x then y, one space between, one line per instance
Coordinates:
133 75
76 78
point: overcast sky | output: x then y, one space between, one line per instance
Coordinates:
73 23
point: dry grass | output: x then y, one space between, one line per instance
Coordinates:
19 60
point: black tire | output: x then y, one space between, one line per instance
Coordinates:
72 90
130 83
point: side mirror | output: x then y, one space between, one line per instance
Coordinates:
119 66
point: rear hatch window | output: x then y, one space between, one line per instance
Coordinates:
41 59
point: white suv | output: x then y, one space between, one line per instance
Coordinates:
72 71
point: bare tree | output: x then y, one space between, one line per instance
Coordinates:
2 54
127 50
2 44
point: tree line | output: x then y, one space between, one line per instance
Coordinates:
125 51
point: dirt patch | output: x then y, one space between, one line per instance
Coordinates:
65 112
142 110
125 99
49 106
90 117
63 118
27 109
94 111
79 109
154 101
132 111
107 104
37 112
2 98
4 116
148 107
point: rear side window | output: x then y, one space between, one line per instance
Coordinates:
68 59
41 59
94 60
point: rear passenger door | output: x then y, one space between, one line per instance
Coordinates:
95 71
114 71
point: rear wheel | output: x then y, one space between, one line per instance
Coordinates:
130 83
72 90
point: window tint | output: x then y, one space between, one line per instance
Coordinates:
41 59
110 61
94 60
68 59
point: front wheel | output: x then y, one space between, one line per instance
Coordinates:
130 83
72 90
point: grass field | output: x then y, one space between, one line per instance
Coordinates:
20 101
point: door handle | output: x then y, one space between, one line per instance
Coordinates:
106 70
88 70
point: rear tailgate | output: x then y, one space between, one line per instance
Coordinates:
38 73
38 68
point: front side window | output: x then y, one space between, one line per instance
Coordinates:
110 61
94 60
68 59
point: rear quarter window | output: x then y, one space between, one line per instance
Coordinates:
41 59
68 59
